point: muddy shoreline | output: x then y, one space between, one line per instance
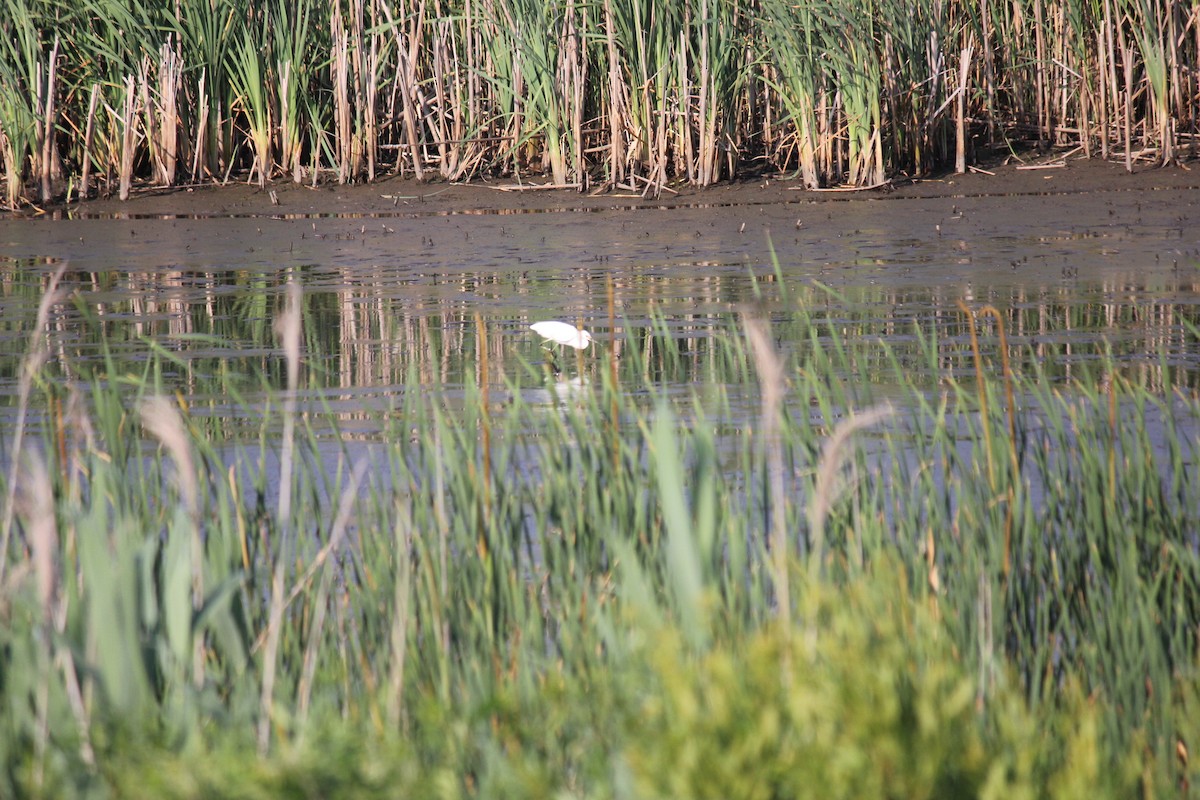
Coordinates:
396 196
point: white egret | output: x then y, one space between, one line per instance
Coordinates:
562 333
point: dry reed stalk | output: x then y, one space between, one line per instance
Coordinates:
1102 108
35 502
443 66
128 137
989 70
151 123
1010 413
403 532
169 71
35 147
614 411
12 172
288 330
339 68
1111 59
162 420
1172 43
1043 100
706 169
685 123
1194 78
828 487
660 81
771 383
289 149
617 101
988 668
982 390
340 523
406 53
831 481
418 104
357 97
38 353
35 505
1127 116
442 520
485 433
577 59
48 126
89 134
200 156
960 144
370 132
809 171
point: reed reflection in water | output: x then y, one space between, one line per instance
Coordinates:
368 333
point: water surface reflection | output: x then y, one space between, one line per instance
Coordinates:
393 298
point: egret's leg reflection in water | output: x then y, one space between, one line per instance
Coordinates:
567 335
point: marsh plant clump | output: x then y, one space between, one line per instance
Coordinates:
980 586
615 93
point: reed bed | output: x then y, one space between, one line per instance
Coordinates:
628 96
985 584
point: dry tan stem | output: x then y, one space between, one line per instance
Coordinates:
36 506
830 482
400 624
162 420
48 123
128 138
288 329
771 383
336 534
960 145
39 351
88 136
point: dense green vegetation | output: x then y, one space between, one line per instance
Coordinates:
984 585
619 93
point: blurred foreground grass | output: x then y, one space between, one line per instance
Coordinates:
988 588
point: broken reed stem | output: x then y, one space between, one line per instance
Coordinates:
48 124
128 138
200 152
168 131
960 144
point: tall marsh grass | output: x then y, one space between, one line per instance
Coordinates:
598 592
627 94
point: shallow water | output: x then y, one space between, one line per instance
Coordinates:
396 289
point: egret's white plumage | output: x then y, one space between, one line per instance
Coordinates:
562 333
